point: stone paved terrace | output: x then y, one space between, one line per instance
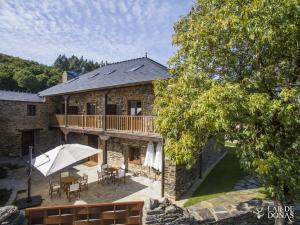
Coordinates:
134 189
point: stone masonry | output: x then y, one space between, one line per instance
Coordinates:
14 120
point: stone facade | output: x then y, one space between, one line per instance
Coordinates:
118 96
14 120
121 96
178 178
118 154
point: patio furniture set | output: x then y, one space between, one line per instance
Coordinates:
72 185
68 184
111 174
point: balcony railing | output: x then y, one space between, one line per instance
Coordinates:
141 124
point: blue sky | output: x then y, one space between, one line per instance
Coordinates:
112 30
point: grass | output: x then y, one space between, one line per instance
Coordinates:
4 196
220 180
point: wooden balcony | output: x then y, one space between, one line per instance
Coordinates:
122 123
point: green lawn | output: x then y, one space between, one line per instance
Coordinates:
220 180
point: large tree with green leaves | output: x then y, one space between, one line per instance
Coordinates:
236 76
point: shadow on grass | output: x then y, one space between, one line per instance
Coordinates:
220 180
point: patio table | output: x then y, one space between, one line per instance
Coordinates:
112 171
68 181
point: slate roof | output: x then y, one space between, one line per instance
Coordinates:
134 71
19 96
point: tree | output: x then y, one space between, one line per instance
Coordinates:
236 76
7 82
27 81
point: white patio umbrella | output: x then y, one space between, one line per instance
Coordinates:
158 157
61 157
149 159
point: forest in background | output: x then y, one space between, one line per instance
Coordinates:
18 74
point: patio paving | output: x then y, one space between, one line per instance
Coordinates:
134 189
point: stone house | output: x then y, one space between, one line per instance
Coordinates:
23 123
110 109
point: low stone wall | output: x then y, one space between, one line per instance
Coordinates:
165 213
10 215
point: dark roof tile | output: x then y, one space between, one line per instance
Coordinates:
134 71
19 96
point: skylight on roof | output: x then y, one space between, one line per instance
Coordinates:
95 75
110 72
135 68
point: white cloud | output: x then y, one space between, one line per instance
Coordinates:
110 30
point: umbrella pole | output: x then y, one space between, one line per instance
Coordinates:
29 176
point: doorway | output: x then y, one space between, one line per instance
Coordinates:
93 142
27 140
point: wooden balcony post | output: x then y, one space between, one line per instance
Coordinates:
66 98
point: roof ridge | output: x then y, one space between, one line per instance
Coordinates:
125 61
157 63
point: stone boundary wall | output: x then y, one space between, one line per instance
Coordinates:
166 213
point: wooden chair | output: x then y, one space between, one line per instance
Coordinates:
64 174
74 189
102 176
104 167
120 175
54 186
83 182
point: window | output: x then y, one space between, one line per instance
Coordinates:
134 155
90 109
134 108
31 110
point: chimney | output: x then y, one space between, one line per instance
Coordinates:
65 76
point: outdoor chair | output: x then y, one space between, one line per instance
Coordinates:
123 167
83 182
64 174
102 176
104 167
120 175
54 186
74 189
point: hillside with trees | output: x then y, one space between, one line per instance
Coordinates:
26 75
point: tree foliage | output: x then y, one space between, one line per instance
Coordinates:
79 65
24 75
236 76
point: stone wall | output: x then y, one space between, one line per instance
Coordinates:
166 213
178 178
118 96
121 96
14 120
92 97
117 154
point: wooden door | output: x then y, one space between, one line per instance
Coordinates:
135 109
27 140
93 142
111 109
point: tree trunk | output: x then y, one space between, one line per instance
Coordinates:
279 220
